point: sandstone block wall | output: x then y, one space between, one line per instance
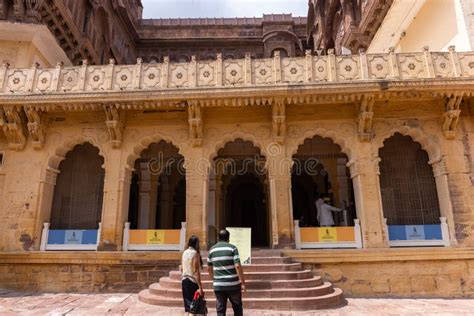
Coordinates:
83 278
430 278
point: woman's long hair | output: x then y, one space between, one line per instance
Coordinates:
193 242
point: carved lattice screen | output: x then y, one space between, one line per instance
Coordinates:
407 183
78 194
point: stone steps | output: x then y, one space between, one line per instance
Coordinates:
166 282
273 282
267 267
256 275
332 299
325 288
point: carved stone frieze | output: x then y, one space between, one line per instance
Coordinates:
19 9
114 120
195 124
278 121
364 120
36 127
12 124
451 115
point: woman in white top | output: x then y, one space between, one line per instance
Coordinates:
191 265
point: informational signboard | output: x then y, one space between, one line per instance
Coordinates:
327 234
154 236
72 237
241 237
415 232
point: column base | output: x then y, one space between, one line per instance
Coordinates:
285 242
107 247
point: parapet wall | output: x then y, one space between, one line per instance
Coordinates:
245 72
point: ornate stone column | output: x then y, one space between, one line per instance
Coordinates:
446 209
343 191
46 194
279 176
365 177
211 202
197 187
148 187
116 190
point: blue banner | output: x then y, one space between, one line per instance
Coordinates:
72 237
414 232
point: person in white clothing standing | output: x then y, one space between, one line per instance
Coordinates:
325 210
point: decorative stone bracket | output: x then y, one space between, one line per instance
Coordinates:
195 124
278 121
12 123
451 115
114 119
36 127
364 120
361 165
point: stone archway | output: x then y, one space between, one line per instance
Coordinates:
240 190
320 171
50 175
79 190
156 188
407 183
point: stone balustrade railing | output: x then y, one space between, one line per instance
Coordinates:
237 72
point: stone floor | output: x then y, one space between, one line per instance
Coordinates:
13 303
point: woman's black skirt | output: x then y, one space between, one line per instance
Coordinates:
189 288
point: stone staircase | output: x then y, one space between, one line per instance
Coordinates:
273 282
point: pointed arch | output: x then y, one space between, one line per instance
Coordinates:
407 184
324 133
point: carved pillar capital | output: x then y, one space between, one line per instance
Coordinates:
36 127
360 166
278 121
451 115
195 123
13 124
114 120
439 167
364 119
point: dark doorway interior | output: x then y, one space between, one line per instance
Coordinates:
246 206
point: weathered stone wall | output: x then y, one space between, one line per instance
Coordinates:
418 272
59 272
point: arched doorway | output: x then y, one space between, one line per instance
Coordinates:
320 170
158 189
79 190
241 190
407 184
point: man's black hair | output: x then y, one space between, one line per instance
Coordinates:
224 235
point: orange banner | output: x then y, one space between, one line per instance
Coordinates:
154 236
327 234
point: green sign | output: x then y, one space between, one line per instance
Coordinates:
241 237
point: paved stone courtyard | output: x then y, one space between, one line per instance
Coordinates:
14 303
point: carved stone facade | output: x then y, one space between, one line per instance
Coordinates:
83 30
199 107
231 37
270 98
349 24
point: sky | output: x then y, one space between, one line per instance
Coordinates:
221 8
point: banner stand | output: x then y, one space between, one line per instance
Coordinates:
418 235
328 237
154 239
72 239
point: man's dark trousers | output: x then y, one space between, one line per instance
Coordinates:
235 297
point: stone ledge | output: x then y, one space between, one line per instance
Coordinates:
304 256
379 255
90 257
